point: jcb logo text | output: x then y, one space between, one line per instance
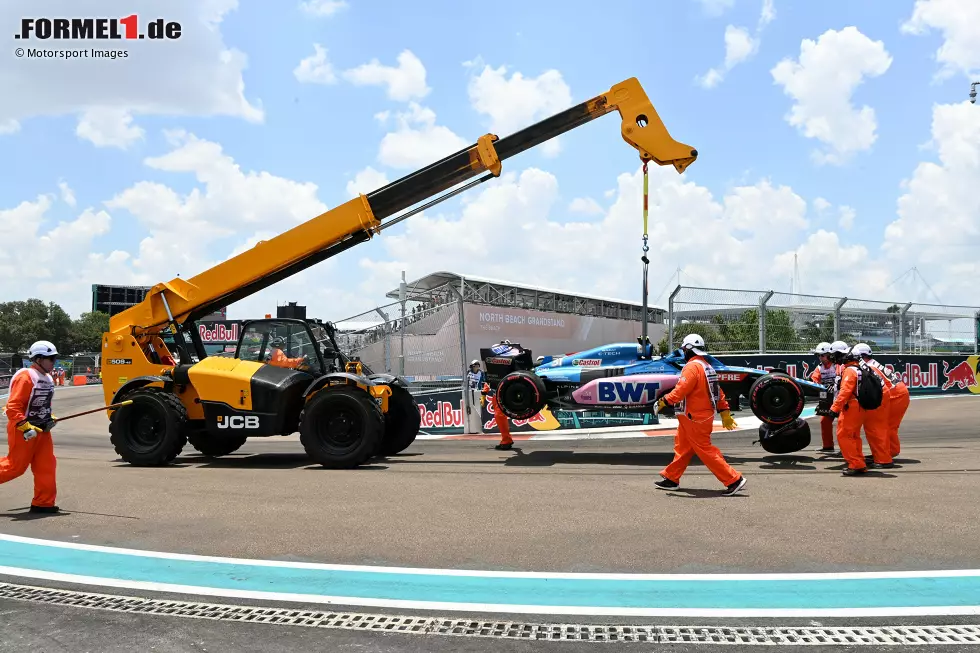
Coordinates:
238 422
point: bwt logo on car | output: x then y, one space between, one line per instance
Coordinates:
627 393
102 29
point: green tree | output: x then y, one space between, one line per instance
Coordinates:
24 322
87 330
780 334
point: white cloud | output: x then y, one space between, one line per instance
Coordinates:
108 127
824 262
9 126
768 13
938 225
67 195
518 101
403 83
821 205
197 74
323 7
716 7
957 20
747 228
846 216
39 266
315 69
418 141
740 46
822 83
366 181
585 205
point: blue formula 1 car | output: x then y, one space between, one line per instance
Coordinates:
618 377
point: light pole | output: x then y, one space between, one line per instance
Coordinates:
973 92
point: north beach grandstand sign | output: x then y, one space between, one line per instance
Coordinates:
529 319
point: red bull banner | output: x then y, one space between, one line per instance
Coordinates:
442 411
923 374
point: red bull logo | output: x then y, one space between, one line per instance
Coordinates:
443 416
961 375
790 369
914 377
220 333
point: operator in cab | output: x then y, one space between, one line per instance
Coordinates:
29 423
278 358
846 407
826 375
697 396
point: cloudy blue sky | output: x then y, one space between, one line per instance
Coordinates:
839 131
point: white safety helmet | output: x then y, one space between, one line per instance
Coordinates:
861 349
822 348
475 361
695 343
42 348
839 347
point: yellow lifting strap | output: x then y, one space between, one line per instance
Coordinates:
646 205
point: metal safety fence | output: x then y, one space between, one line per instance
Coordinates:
765 321
419 340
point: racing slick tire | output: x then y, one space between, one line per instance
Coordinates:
402 422
150 432
341 427
520 395
213 447
785 439
776 399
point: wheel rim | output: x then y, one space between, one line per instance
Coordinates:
777 401
518 397
146 428
342 431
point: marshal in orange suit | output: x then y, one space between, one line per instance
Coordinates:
697 396
29 420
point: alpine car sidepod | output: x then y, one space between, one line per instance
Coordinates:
616 377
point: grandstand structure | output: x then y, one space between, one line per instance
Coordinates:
439 323
442 287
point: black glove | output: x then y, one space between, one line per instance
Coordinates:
833 414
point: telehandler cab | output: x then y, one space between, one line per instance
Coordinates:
344 413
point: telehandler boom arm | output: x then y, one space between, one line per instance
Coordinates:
183 301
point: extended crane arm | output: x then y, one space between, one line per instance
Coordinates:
180 300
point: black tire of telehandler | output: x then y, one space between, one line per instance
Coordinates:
338 450
151 408
402 422
776 399
213 447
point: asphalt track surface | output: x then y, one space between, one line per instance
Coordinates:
580 506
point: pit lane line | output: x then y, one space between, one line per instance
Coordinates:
846 594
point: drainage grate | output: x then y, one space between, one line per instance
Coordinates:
785 636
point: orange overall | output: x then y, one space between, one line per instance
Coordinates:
279 359
876 422
851 416
503 424
899 404
826 375
695 420
31 391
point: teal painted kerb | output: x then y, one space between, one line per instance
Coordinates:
542 591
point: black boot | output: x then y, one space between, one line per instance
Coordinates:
45 509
